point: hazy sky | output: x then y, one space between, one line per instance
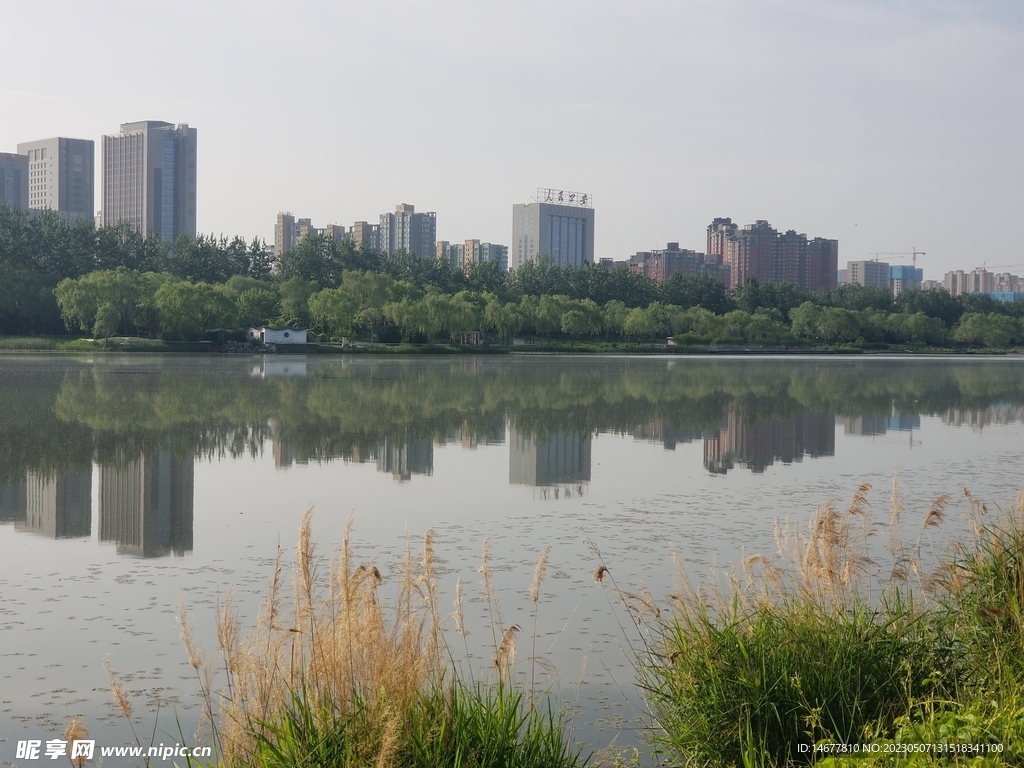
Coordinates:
885 124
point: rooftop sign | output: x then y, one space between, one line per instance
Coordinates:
564 197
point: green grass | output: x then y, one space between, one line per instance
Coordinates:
754 682
777 676
452 726
116 344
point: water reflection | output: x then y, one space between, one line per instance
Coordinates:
57 505
548 459
143 423
757 445
146 503
982 417
405 457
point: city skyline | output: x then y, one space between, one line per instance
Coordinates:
883 125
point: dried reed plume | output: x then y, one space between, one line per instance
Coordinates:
336 644
488 584
505 658
203 671
830 565
460 627
538 575
599 573
76 731
124 704
538 579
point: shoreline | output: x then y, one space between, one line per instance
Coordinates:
30 345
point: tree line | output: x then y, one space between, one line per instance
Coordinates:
106 281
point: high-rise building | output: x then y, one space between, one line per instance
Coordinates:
61 173
14 181
719 232
870 274
980 280
662 264
406 230
284 234
362 232
289 232
822 264
450 253
556 224
484 253
759 251
149 179
904 277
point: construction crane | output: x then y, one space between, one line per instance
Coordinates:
914 253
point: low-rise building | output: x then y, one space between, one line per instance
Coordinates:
266 334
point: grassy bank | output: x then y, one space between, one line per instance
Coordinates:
119 344
829 646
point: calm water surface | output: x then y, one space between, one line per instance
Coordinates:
130 483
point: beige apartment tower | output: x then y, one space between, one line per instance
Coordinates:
61 173
149 179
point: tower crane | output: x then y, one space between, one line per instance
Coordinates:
913 252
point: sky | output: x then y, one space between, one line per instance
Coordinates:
888 125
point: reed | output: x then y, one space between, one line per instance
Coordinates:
821 643
338 675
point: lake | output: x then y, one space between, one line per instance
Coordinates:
130 483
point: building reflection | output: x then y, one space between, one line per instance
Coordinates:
979 418
556 458
471 438
13 502
757 445
57 505
406 457
875 424
146 503
656 431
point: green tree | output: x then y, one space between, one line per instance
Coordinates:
505 320
700 290
613 316
575 323
314 259
258 306
805 320
971 329
837 325
186 310
933 303
640 324
920 328
295 293
107 318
